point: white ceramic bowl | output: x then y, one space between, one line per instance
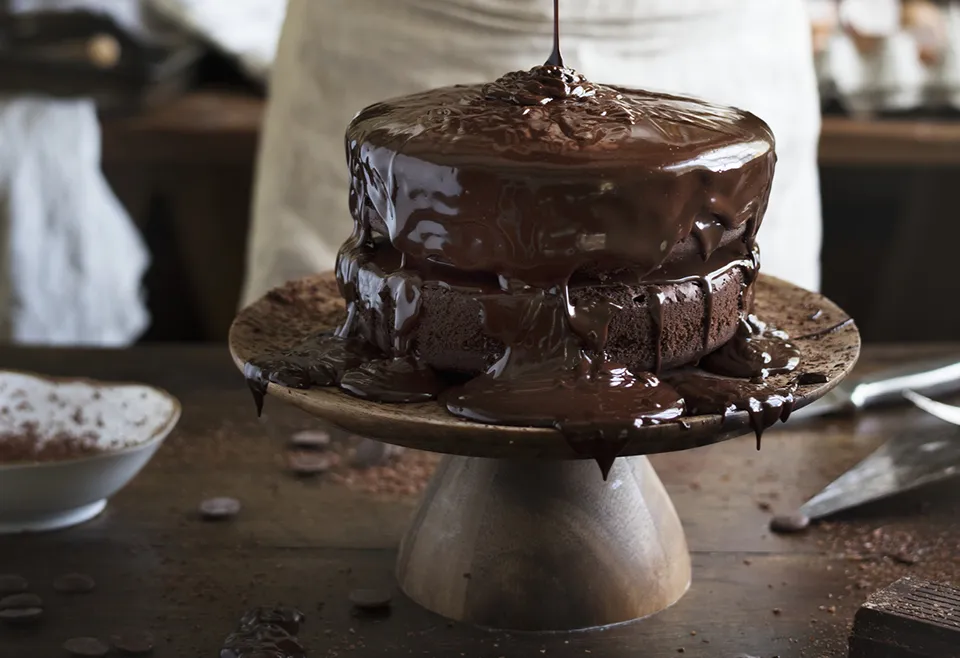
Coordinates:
125 422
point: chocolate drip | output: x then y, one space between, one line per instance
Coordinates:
707 394
545 378
597 412
392 380
755 351
319 361
354 365
709 233
655 302
556 59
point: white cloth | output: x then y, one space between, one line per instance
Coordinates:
71 260
337 56
245 29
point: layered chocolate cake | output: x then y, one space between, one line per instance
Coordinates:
546 251
641 206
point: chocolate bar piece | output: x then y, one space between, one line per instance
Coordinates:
909 619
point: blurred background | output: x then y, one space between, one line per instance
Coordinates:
176 92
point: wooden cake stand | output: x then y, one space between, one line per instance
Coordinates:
516 531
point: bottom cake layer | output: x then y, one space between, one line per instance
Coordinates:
668 324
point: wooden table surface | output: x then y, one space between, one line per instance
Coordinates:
307 543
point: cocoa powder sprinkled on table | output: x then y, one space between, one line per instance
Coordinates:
405 475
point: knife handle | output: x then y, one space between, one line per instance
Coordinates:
928 377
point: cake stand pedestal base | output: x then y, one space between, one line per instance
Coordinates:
544 545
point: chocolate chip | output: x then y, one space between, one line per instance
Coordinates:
217 509
134 643
89 647
20 601
74 583
789 523
372 600
12 584
311 463
810 378
16 616
310 439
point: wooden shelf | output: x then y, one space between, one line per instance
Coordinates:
889 142
221 127
200 128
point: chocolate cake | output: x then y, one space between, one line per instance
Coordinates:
546 251
542 181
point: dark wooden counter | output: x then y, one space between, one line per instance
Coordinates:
308 542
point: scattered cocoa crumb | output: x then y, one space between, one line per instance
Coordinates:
405 475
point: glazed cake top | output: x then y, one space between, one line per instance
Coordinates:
542 173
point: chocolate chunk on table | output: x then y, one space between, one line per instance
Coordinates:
74 583
909 619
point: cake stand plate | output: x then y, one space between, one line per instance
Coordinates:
516 530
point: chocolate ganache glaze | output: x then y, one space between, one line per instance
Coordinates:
554 244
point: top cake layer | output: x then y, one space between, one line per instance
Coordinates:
542 173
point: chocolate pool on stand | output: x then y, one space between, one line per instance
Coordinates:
518 530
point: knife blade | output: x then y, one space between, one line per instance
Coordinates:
907 461
932 377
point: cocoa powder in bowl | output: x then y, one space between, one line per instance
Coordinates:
28 446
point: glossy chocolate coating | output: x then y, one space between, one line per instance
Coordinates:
542 174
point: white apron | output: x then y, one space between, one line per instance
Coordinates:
337 56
